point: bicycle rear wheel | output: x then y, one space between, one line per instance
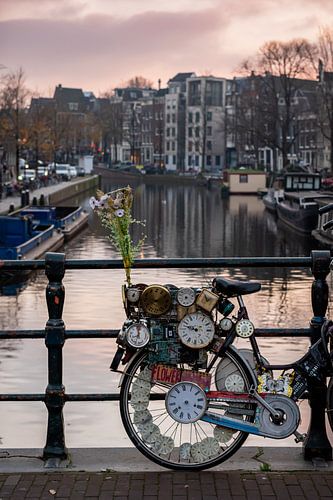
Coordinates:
173 444
330 403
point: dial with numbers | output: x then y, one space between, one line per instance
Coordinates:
186 402
186 297
196 330
133 295
155 300
137 335
244 328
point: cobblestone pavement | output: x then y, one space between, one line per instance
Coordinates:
167 485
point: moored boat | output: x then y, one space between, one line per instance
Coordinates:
271 199
68 220
300 210
21 238
324 235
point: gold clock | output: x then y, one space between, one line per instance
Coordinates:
155 300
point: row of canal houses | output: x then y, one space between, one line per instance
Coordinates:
195 123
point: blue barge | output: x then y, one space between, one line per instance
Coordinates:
68 220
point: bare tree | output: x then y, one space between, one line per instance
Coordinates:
278 67
111 123
139 82
13 99
325 88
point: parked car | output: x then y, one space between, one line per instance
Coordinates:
72 171
80 171
27 174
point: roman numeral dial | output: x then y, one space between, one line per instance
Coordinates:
196 330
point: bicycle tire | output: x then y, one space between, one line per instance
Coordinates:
147 449
330 402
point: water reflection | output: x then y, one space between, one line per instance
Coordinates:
181 221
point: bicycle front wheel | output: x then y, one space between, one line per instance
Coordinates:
174 444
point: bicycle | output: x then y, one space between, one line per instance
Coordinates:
188 397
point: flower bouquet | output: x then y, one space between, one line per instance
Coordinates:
114 209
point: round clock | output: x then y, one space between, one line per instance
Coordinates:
226 324
186 402
133 295
137 335
196 330
244 328
186 297
155 300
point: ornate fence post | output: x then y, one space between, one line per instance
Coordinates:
317 444
54 341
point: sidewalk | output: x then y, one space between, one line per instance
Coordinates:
16 200
168 485
123 473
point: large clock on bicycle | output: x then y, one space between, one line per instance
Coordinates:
155 300
196 330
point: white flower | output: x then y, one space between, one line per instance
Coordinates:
120 212
104 198
93 202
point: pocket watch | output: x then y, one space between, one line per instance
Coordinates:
155 300
186 297
196 330
133 295
137 335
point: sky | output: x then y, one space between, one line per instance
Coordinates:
97 45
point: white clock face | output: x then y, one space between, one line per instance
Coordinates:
244 328
186 297
137 335
186 402
226 324
196 330
133 295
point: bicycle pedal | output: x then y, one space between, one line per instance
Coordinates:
299 438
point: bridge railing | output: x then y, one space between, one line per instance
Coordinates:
55 334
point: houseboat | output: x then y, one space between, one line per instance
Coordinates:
323 233
299 206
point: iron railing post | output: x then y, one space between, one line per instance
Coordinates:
317 444
54 341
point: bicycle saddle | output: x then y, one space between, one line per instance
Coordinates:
232 288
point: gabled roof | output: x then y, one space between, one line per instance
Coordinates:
181 77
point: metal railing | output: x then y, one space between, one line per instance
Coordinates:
55 334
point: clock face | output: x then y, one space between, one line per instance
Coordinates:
226 324
155 300
137 335
186 297
133 295
244 328
186 402
196 330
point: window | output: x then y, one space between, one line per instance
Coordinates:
197 116
209 116
73 106
243 178
168 145
209 145
168 132
190 145
168 118
217 160
190 132
194 93
209 130
197 131
209 160
197 160
214 93
173 118
190 117
166 159
174 159
173 147
189 160
173 132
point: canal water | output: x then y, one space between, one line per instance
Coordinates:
180 221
